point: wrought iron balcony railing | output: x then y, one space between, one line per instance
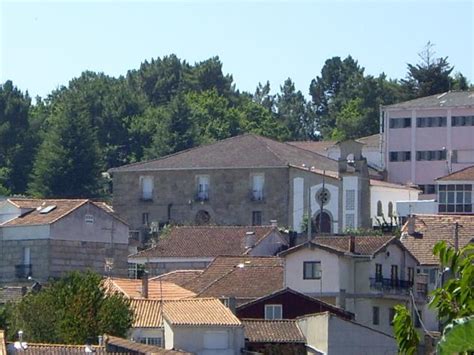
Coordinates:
379 283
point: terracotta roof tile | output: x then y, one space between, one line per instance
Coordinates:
199 311
433 228
204 241
55 349
133 347
244 151
62 208
244 278
178 277
147 313
364 245
466 174
156 289
273 331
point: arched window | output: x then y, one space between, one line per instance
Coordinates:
379 209
390 209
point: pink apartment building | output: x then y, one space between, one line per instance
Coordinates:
427 138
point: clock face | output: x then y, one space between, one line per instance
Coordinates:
323 196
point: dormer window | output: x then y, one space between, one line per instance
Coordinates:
146 186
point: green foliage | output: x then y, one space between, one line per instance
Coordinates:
458 337
72 310
405 334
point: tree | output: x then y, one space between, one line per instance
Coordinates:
430 76
68 162
295 113
350 123
263 97
453 301
72 310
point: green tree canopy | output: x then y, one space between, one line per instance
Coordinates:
72 310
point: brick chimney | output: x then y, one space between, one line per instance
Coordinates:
145 284
352 244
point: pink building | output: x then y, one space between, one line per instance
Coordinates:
429 137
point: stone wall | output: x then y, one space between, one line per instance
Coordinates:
229 197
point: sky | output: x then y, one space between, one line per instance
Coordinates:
44 44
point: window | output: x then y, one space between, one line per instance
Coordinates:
323 196
273 311
455 198
378 272
311 270
394 273
459 121
375 315
146 185
150 341
391 315
411 274
256 218
379 209
202 188
390 209
400 122
431 122
429 155
258 181
350 200
89 219
145 218
400 156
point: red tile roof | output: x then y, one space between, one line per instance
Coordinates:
244 278
148 313
178 277
273 331
433 228
199 311
466 174
161 290
63 207
56 349
244 151
132 347
205 241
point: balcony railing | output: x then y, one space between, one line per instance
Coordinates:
202 196
390 284
23 271
256 195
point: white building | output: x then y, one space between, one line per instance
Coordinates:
367 276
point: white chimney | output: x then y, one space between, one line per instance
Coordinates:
250 240
273 223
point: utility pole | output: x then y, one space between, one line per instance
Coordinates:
309 214
321 201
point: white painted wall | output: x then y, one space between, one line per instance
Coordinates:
329 281
26 232
298 203
8 211
386 195
350 183
332 206
405 208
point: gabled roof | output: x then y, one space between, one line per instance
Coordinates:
160 290
429 229
63 207
205 241
466 174
363 245
132 347
178 277
148 313
244 151
273 331
446 99
329 307
199 311
392 185
321 147
244 278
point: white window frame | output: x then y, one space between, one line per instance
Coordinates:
258 185
271 309
203 184
146 187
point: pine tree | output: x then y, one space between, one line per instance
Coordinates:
68 163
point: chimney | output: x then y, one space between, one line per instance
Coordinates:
411 225
250 240
232 304
145 284
273 223
352 244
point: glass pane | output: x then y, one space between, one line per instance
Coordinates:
442 187
459 197
459 187
450 197
442 208
442 197
467 208
467 187
467 197
277 312
459 208
450 208
450 187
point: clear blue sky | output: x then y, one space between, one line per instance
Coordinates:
45 44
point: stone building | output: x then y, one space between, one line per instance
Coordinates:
247 180
47 238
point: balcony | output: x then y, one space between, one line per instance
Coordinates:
202 196
256 195
23 271
390 285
